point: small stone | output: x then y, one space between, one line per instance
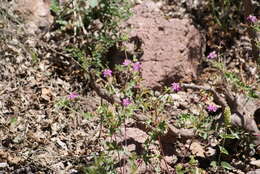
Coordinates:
73 171
171 159
18 139
255 163
257 171
195 110
197 149
131 147
210 152
61 144
3 165
176 97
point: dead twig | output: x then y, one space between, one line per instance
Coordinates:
217 97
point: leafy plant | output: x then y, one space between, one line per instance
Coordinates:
97 24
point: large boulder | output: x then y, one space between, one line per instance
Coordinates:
171 48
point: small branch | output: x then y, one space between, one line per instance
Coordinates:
102 92
218 99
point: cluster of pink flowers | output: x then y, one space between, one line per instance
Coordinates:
73 95
252 18
126 102
136 66
212 108
139 162
127 62
175 87
212 55
107 72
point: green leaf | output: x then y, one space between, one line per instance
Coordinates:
93 3
193 161
55 6
229 136
179 169
213 164
162 126
88 115
223 150
34 56
227 116
13 120
226 165
252 94
62 103
62 22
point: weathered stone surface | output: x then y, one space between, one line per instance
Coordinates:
36 14
171 48
257 171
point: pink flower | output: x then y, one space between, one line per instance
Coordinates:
256 134
212 108
107 72
137 86
126 102
252 18
73 95
127 62
212 55
137 66
175 87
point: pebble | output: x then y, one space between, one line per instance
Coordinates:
3 165
255 163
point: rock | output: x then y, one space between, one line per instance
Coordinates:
257 171
59 167
3 165
134 133
255 163
171 160
170 49
197 149
250 104
210 152
36 14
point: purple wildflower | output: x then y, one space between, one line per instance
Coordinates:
107 72
137 66
175 87
126 102
127 62
73 95
212 55
212 108
252 18
139 162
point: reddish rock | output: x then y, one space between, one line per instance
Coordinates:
171 48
